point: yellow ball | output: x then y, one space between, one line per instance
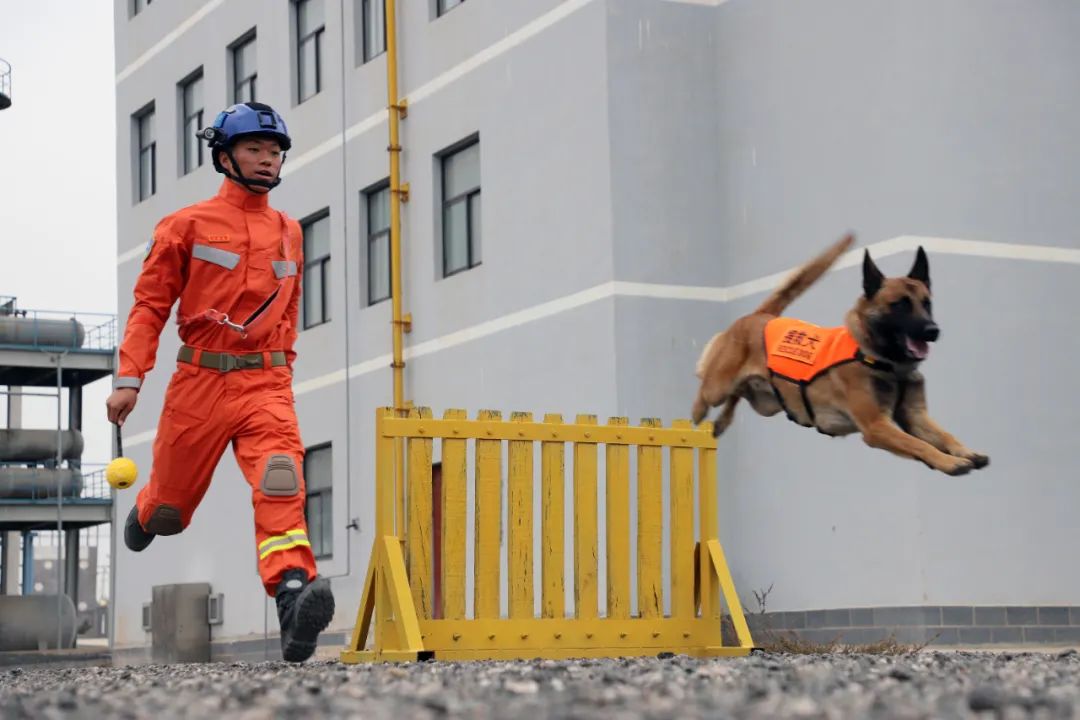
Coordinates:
121 473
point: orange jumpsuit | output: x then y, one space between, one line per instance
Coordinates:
234 256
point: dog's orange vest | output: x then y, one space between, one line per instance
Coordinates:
801 351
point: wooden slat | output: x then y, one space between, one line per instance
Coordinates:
418 540
650 539
682 527
488 523
586 591
552 546
520 523
618 526
709 525
384 518
454 514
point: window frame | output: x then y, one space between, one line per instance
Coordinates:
441 7
301 41
185 117
471 252
326 504
364 13
146 114
323 261
372 237
250 81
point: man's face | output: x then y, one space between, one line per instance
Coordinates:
257 158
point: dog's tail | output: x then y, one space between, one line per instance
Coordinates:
706 355
804 277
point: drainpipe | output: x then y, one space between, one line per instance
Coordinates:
399 193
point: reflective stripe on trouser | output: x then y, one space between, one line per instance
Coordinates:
291 539
204 410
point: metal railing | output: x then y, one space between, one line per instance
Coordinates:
53 330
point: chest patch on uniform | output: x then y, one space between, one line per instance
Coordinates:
217 238
800 350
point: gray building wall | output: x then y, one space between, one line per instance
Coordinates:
631 149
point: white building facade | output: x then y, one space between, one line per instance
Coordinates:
595 188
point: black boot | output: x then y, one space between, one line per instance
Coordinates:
134 536
304 611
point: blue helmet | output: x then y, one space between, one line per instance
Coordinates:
243 120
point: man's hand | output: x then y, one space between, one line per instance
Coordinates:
120 404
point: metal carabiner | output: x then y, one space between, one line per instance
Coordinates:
223 319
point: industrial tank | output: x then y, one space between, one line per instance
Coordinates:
23 483
29 622
38 445
16 330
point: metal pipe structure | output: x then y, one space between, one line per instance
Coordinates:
59 500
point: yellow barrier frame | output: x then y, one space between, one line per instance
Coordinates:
397 601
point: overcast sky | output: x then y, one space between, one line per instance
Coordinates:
58 175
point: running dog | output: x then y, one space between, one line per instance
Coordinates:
860 377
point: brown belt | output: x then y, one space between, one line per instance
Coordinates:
226 362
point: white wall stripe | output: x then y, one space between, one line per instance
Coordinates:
132 254
491 52
426 90
168 39
618 288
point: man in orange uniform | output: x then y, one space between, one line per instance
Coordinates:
233 262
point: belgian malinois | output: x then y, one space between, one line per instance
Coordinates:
860 377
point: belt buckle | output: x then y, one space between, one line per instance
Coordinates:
227 363
254 361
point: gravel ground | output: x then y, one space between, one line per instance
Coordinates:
922 685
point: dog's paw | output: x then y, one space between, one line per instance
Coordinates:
957 466
979 460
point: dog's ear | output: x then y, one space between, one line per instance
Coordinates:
871 276
921 269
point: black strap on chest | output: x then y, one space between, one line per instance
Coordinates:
860 357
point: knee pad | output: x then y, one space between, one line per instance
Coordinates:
165 520
280 478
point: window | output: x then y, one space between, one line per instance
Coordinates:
372 29
445 6
137 6
191 104
319 509
461 208
146 172
315 301
378 242
310 23
243 65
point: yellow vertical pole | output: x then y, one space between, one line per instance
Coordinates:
682 527
650 466
618 527
454 499
400 324
488 523
419 530
586 595
553 522
520 523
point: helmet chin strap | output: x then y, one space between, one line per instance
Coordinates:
250 182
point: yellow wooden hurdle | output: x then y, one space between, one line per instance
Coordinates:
397 601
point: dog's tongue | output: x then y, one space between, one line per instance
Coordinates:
919 349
